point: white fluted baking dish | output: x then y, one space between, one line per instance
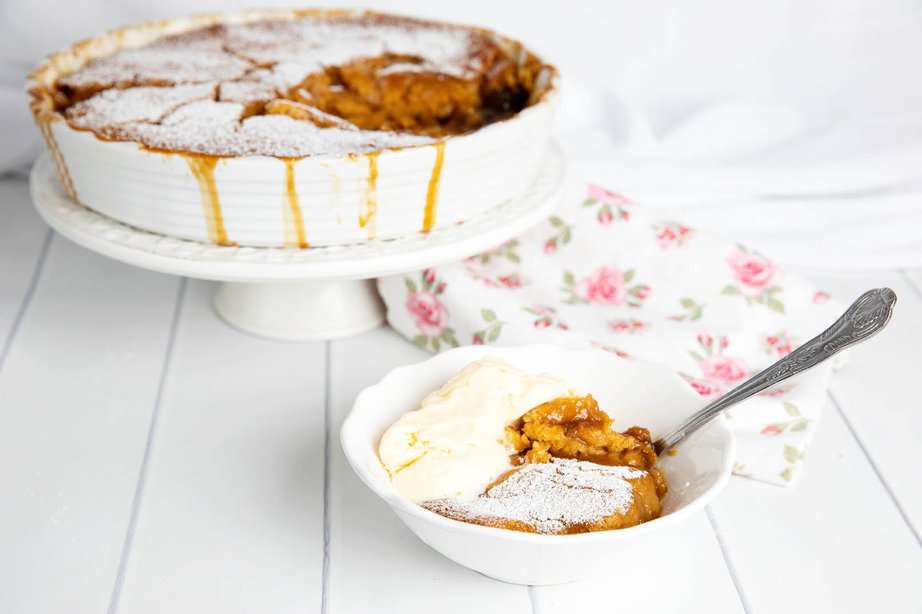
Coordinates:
270 201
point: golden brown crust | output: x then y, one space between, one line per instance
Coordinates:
41 82
575 427
416 102
363 93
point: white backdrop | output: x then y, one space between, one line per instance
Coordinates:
793 125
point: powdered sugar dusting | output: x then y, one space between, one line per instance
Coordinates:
204 113
195 57
298 110
550 496
311 43
214 128
300 138
257 85
138 104
182 92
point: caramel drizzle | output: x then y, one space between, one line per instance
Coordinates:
432 193
202 167
371 195
295 235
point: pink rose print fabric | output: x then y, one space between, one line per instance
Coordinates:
724 371
606 273
606 285
429 314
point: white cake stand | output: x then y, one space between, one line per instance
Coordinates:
291 294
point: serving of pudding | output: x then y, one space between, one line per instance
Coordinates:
561 497
294 128
442 443
501 447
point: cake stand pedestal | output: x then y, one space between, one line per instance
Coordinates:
292 294
323 309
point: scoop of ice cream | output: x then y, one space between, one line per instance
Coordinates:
454 445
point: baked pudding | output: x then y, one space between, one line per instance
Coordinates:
294 128
560 497
482 450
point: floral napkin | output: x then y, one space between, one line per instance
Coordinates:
604 272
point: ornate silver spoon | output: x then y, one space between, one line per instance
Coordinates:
865 317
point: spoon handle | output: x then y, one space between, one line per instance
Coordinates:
865 317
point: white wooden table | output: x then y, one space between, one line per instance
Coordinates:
152 459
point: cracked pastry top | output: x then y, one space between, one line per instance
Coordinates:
308 84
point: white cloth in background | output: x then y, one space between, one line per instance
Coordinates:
794 126
837 197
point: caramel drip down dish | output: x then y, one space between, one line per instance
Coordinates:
295 128
500 447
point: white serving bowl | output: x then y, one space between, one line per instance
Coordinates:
157 192
632 392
